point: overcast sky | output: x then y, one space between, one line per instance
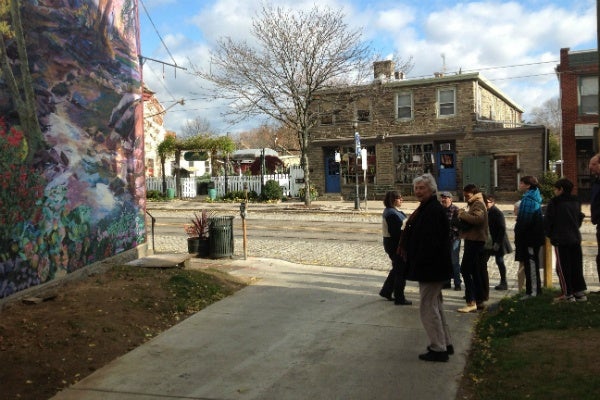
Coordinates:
514 44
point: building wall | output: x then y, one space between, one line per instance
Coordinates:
80 198
473 130
568 76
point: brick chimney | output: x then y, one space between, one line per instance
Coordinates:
383 69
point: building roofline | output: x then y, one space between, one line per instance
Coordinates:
444 79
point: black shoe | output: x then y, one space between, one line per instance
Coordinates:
449 349
501 286
388 296
402 302
437 356
457 288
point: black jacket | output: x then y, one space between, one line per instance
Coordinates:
563 220
425 241
497 225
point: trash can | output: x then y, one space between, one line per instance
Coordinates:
170 193
212 193
220 237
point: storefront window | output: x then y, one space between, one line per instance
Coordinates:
413 160
348 166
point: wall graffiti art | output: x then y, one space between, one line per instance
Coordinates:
72 189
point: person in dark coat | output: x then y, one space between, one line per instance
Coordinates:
561 224
500 243
424 245
595 203
391 221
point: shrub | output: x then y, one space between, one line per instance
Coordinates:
272 191
547 181
154 195
313 192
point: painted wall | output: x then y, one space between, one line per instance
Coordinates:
77 197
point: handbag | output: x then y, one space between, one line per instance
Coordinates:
489 243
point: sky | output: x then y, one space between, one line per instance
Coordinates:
514 44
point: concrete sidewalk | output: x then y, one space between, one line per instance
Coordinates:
298 332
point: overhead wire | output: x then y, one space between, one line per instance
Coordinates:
157 33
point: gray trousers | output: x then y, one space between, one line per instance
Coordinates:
432 315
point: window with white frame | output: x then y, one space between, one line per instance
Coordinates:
404 105
446 102
588 95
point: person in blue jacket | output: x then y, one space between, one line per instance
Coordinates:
529 234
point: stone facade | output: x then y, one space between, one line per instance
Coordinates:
422 125
578 142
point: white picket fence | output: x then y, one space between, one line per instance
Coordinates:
290 183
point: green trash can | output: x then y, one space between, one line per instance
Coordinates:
170 193
212 193
220 243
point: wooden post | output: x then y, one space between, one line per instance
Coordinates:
547 264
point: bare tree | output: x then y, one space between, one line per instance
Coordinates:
199 126
549 115
297 53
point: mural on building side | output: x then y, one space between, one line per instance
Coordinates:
72 176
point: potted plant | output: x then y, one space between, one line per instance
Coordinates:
197 233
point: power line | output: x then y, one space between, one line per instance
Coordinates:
158 34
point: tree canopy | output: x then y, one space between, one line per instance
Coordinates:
293 55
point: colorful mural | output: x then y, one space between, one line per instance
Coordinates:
72 188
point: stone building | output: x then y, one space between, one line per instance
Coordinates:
459 127
578 77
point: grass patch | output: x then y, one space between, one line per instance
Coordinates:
535 349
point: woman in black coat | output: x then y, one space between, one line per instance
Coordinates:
425 247
500 243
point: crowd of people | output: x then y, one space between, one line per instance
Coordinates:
425 247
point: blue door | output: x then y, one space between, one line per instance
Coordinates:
447 168
332 175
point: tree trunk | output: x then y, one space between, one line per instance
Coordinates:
177 173
164 176
25 103
305 166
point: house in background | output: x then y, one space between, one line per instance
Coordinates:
242 159
154 134
578 77
459 127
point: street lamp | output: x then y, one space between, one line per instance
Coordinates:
356 155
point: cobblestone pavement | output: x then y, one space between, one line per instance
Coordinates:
369 255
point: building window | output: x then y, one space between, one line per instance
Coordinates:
588 95
326 114
404 105
363 110
446 102
413 160
348 166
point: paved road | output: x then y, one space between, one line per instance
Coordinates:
368 254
